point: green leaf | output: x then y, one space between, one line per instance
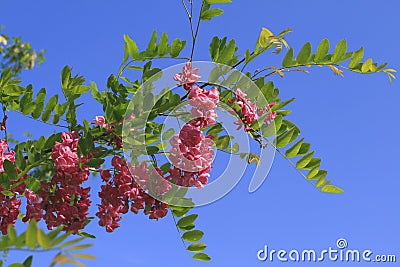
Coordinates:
305 147
20 240
288 59
84 256
187 220
211 13
282 104
151 150
39 101
223 142
50 107
193 235
187 227
80 247
26 105
7 193
322 51
10 170
60 239
294 150
43 239
163 45
133 49
94 162
12 235
366 66
211 2
332 189
28 262
16 265
65 76
315 162
356 58
80 89
284 139
201 257
264 38
53 233
304 160
168 134
197 247
340 51
304 54
215 129
152 45
214 48
31 236
321 174
227 53
176 47
312 173
87 235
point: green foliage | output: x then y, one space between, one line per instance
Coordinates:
224 53
334 60
17 55
33 157
153 50
35 239
186 226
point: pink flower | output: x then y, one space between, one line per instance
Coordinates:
10 156
249 112
190 136
188 77
100 121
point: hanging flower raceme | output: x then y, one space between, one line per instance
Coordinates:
10 202
131 187
191 153
63 200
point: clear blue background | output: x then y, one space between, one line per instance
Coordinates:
352 123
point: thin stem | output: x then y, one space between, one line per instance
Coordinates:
34 250
173 115
5 126
146 58
197 30
289 69
288 160
179 231
186 9
52 124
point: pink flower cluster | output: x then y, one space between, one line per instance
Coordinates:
249 112
101 121
63 200
9 204
188 77
127 190
191 152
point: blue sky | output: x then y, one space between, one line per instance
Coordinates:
351 122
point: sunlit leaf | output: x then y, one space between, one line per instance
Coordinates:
201 257
332 189
193 235
197 247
